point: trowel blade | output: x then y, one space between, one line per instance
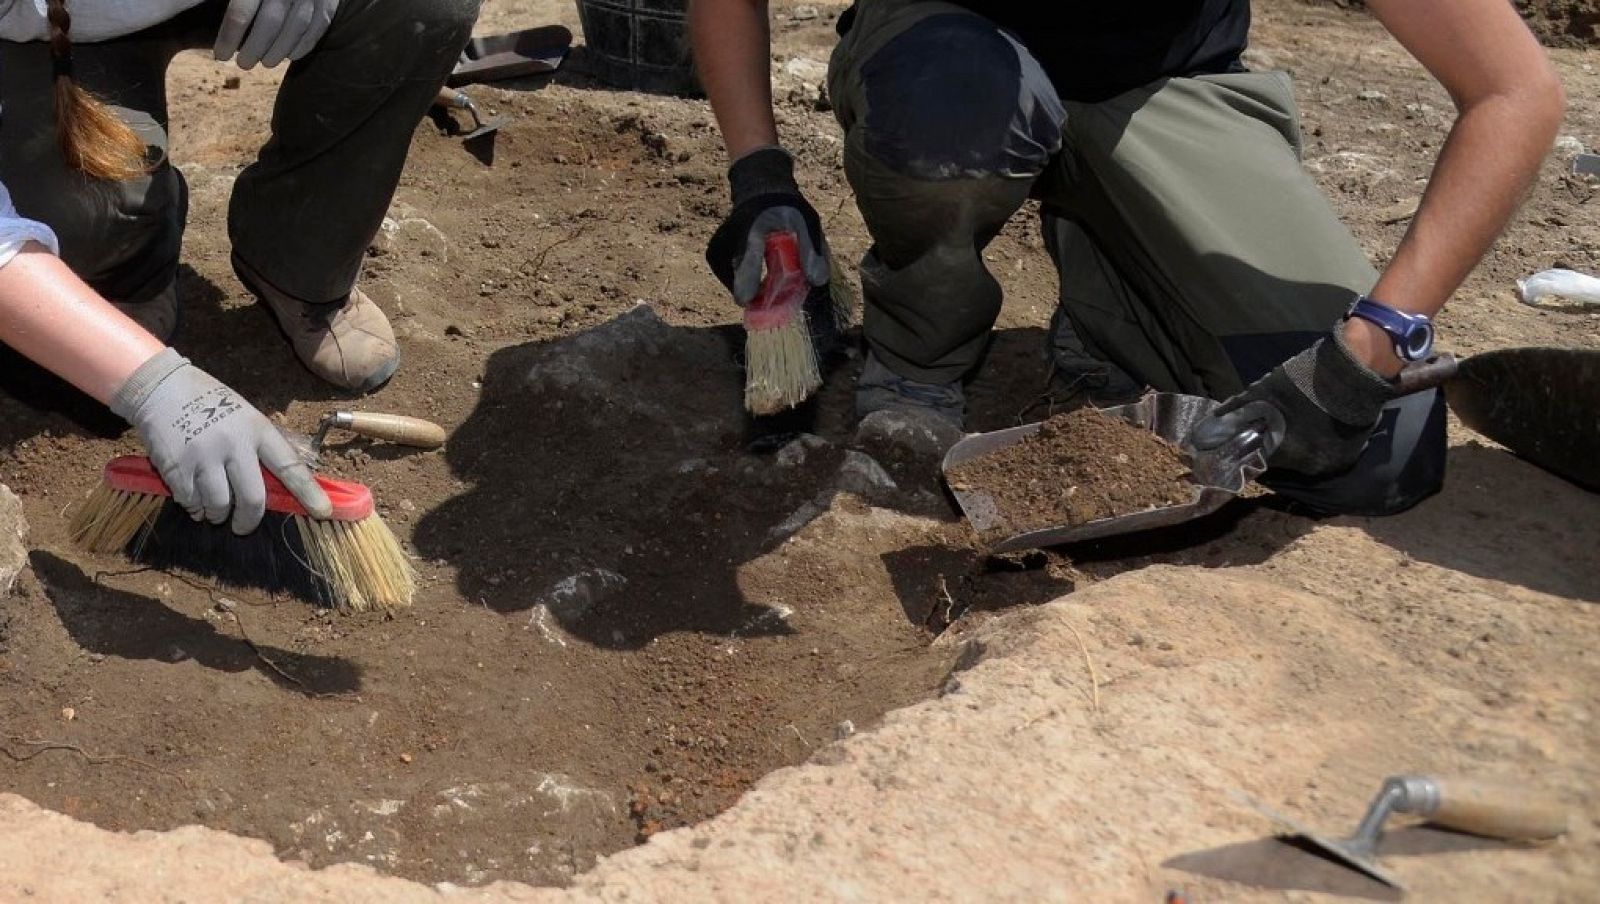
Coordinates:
1334 848
488 128
1537 402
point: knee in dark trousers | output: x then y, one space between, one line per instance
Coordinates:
1403 464
954 97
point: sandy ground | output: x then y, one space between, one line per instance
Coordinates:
615 639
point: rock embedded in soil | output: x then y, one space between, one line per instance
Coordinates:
1079 467
13 532
907 434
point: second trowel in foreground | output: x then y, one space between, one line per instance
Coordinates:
1465 806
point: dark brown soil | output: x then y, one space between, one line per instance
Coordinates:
1079 467
496 731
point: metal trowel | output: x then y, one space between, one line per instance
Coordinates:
1465 806
452 99
1218 476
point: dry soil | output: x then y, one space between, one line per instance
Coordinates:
613 634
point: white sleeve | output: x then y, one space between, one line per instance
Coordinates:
15 230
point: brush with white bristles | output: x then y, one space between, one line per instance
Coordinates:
350 560
782 345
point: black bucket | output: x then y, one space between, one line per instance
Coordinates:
639 44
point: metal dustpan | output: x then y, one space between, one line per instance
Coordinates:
1219 476
531 51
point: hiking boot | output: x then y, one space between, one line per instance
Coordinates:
349 344
1074 369
881 389
158 316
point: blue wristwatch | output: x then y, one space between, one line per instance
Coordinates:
1412 333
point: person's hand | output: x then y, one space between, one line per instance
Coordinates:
209 445
1317 410
271 31
766 200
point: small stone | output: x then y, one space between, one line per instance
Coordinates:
844 730
13 533
1568 146
68 713
862 475
573 596
1371 95
803 14
798 449
405 758
907 433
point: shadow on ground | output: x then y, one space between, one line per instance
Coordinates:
611 485
111 622
1504 519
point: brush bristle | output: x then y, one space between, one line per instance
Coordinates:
842 294
362 562
109 519
353 565
780 366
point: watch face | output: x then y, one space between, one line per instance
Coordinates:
1418 341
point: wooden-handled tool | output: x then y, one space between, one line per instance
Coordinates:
390 428
1494 811
1481 809
451 99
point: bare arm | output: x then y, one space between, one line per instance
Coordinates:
732 50
1509 103
49 315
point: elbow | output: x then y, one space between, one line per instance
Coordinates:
1548 100
1540 101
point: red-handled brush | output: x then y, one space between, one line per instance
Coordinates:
780 359
350 560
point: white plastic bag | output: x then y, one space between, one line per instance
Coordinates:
1568 284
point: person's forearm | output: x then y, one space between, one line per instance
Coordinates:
49 315
1482 174
1509 104
732 51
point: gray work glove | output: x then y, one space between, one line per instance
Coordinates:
1316 409
766 199
272 31
209 445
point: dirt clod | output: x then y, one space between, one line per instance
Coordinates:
1081 466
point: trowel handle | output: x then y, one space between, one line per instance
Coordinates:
393 428
1435 371
450 97
1494 811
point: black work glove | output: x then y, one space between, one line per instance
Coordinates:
1317 410
766 199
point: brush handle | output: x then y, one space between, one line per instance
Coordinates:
783 290
1494 811
351 501
392 428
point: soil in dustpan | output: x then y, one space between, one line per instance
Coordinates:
1080 467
